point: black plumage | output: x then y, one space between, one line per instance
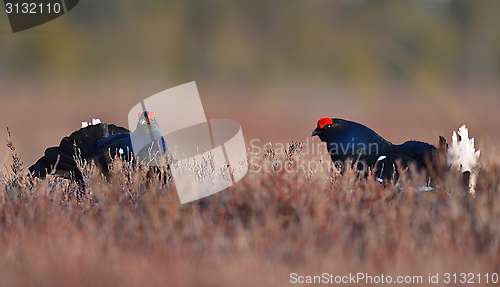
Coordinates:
100 144
350 140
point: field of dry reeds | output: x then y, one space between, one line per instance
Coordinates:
267 230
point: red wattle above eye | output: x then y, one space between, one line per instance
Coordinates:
324 121
150 115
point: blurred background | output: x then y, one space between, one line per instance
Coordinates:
409 69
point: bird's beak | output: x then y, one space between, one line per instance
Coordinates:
316 132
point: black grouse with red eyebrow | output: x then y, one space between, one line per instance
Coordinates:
346 139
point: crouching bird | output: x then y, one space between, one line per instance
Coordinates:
350 140
101 143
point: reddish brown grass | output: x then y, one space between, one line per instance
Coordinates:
128 230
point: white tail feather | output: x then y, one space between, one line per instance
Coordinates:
463 157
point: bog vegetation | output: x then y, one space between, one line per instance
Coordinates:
130 229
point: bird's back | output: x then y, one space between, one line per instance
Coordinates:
100 144
85 143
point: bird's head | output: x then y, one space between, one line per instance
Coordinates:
147 122
328 128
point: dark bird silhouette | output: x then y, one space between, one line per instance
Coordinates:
100 144
351 140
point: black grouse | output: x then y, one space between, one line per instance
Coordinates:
350 140
100 143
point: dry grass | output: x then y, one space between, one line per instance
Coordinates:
128 230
